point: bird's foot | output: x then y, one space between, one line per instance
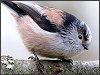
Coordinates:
39 66
70 61
32 58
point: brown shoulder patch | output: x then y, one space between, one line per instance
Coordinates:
54 15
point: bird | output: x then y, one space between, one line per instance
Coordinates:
50 32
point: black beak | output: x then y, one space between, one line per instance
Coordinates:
85 46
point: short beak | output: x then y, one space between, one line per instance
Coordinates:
85 46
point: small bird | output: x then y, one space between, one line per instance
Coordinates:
50 32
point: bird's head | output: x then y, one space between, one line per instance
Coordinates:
76 29
84 33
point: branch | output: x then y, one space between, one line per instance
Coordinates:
50 67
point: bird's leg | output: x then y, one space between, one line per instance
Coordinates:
39 66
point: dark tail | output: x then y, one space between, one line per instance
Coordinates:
14 6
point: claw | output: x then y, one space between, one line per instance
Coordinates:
68 63
68 60
32 58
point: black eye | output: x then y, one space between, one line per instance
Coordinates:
80 36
